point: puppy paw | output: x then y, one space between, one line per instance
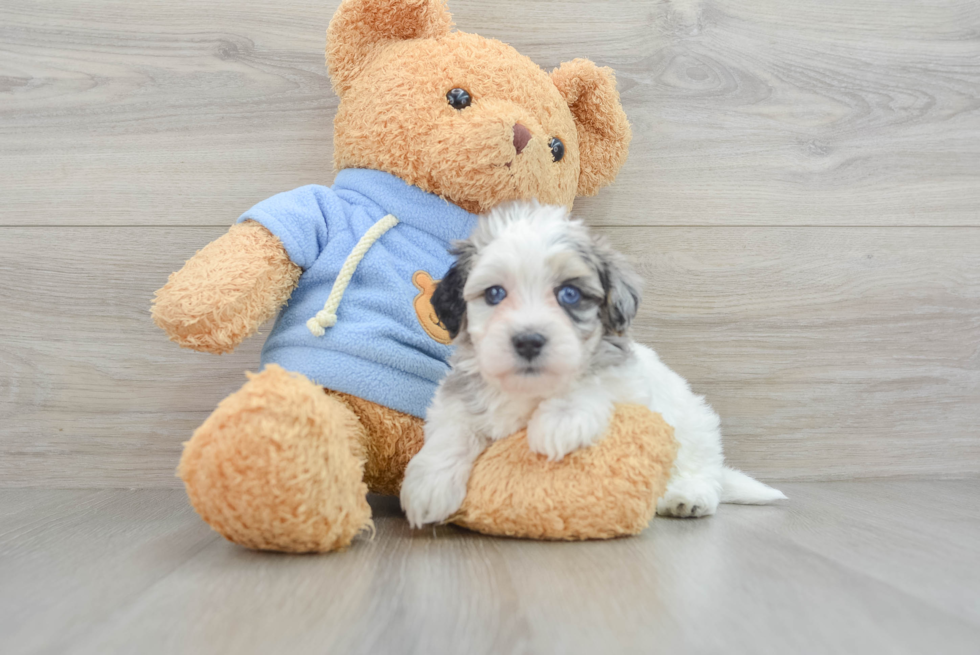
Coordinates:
689 498
558 427
431 491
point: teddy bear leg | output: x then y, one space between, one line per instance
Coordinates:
279 466
609 489
390 439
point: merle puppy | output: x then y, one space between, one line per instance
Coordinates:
539 311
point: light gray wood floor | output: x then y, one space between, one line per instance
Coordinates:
845 567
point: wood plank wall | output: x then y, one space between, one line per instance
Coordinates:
802 196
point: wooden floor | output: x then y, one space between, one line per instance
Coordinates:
842 567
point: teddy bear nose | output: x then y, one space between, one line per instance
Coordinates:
521 136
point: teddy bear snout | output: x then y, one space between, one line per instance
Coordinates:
522 136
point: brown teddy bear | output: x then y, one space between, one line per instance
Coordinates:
433 127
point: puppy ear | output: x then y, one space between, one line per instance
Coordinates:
622 287
447 300
360 27
603 130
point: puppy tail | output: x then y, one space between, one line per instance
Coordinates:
738 488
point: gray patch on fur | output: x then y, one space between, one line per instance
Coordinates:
467 387
622 285
614 312
612 351
464 380
584 315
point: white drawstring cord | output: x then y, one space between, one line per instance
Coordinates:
327 317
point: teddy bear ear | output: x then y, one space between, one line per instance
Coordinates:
603 131
361 27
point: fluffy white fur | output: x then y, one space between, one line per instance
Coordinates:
565 394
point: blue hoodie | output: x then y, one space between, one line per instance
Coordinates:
378 350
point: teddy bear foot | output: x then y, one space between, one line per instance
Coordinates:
279 466
609 489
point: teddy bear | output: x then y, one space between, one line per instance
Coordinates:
434 126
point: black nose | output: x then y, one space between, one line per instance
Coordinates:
529 344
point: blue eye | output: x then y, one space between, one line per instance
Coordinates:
569 295
494 295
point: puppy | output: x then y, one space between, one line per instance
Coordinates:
539 311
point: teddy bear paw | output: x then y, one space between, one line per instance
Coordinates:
276 467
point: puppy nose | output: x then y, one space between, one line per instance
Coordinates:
521 136
529 344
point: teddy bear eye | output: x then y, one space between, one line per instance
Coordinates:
459 98
557 148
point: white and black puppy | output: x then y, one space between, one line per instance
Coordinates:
539 311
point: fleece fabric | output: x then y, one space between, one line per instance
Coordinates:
378 350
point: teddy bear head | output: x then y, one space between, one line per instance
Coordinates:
467 117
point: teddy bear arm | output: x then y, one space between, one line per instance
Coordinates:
609 489
227 290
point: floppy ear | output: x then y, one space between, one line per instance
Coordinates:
622 287
447 300
360 27
603 131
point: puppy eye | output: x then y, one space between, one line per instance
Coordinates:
557 148
459 99
569 295
494 295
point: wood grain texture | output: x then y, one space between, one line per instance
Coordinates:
866 567
744 113
70 560
803 196
827 354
